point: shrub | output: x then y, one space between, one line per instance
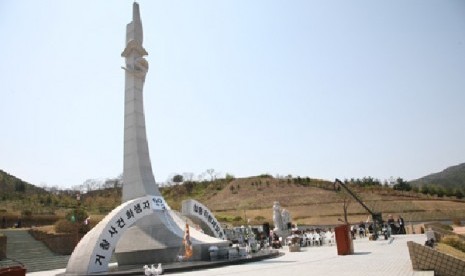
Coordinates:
444 226
457 222
441 226
229 177
65 226
26 213
454 242
237 218
77 215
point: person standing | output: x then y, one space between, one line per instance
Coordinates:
392 224
401 223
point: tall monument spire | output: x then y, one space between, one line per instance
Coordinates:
156 237
134 29
143 229
138 177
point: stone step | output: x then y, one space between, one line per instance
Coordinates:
423 273
34 255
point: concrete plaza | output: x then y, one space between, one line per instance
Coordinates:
382 257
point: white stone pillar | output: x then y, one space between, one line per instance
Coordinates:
138 179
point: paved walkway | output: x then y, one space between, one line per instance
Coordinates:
370 258
376 258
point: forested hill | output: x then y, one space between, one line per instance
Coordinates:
450 178
11 185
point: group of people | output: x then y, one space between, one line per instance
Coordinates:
387 228
308 237
398 228
361 229
318 237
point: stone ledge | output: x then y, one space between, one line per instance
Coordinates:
294 248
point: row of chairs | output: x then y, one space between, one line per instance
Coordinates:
318 240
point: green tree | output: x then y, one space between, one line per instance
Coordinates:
178 178
449 192
425 189
402 185
229 177
432 190
20 186
440 191
458 194
77 215
189 185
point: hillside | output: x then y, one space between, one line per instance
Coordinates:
12 187
242 200
450 178
310 201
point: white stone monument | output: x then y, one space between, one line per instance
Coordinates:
143 229
154 238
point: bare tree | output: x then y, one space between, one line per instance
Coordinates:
345 201
345 206
201 177
91 184
188 176
211 173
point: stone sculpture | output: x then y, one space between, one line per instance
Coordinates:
281 219
277 217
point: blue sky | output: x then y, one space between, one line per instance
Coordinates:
323 89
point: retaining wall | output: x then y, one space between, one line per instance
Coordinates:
426 258
3 240
63 244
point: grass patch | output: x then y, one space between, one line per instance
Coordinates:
455 242
49 229
227 218
447 249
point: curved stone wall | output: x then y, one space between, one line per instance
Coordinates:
200 214
95 249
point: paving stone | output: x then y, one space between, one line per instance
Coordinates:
377 258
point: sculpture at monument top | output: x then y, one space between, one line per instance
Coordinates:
138 179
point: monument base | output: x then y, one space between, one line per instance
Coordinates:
158 238
162 255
